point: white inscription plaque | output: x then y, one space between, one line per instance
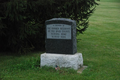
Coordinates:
58 31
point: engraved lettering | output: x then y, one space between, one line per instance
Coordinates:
58 31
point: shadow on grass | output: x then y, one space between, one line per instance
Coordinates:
7 53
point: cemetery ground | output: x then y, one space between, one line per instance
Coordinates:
100 46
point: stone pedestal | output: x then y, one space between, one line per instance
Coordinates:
62 60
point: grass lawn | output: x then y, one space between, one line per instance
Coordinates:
100 46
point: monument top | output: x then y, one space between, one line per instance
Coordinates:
62 19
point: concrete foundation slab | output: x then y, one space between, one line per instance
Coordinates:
62 60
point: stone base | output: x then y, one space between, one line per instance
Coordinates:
62 60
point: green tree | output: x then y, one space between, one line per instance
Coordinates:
22 21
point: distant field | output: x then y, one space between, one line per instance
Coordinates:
100 46
110 0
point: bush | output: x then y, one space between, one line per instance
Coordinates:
22 21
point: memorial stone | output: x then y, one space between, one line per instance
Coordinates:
61 36
60 42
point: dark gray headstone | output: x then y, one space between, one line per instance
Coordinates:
61 36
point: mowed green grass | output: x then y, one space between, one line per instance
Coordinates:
100 46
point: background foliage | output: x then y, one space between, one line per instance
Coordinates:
22 21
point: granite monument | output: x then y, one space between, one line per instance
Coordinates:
61 36
61 48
